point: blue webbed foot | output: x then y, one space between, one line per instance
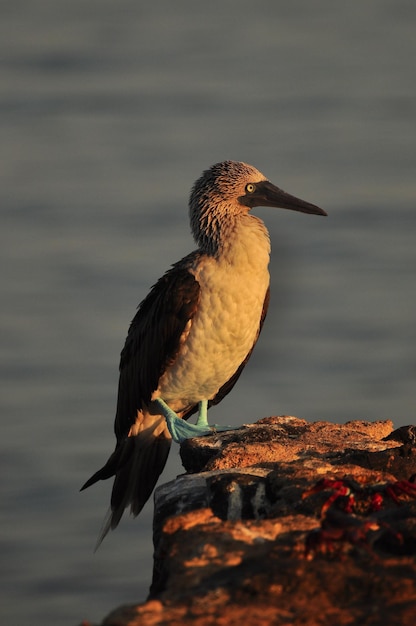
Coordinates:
181 430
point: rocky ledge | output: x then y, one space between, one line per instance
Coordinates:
286 522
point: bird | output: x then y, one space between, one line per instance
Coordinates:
194 332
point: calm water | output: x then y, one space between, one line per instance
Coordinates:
109 112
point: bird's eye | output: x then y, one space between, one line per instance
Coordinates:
250 187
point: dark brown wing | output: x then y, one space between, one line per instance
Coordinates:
153 342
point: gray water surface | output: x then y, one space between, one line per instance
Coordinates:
108 113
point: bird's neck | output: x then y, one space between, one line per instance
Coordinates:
244 239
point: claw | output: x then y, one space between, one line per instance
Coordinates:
340 488
401 488
181 430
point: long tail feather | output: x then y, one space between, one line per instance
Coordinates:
136 463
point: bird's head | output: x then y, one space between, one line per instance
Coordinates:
230 189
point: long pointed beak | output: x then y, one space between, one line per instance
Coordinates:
267 194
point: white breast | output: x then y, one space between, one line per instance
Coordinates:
225 327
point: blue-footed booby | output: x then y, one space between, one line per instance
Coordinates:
194 332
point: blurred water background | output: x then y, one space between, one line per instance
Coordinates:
108 113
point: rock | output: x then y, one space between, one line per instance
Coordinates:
286 522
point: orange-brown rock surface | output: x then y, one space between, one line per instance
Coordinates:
286 522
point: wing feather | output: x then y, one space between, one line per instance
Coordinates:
153 342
